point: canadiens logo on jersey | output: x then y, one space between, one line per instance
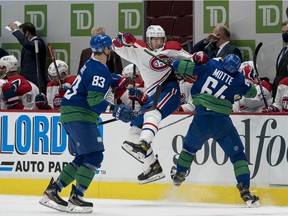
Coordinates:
157 65
285 104
57 102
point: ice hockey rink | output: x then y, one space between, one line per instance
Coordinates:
29 206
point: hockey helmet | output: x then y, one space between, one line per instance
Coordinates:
8 63
154 31
128 71
231 63
62 69
99 42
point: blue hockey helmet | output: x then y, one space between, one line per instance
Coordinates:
99 42
231 63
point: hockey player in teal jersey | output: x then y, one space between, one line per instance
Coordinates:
213 95
80 109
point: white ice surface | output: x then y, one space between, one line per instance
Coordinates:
29 206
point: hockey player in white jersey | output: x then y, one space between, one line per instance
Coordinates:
131 81
56 88
17 92
2 102
253 104
281 100
154 73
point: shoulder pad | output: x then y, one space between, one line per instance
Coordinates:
174 45
284 81
141 43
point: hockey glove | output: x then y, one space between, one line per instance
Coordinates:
10 95
137 95
199 58
41 101
270 108
126 38
124 113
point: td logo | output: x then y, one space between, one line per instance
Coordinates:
61 52
37 14
130 18
82 17
268 16
13 49
215 13
246 47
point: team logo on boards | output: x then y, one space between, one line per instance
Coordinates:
37 14
246 47
82 19
215 13
61 51
130 18
268 16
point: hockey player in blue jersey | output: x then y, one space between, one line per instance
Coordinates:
80 109
213 95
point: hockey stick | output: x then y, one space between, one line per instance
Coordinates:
37 64
153 55
55 65
177 121
158 58
257 73
133 80
154 106
108 121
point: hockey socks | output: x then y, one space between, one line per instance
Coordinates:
184 161
84 177
242 172
66 177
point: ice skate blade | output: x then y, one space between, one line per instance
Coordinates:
256 204
153 178
128 149
46 201
78 209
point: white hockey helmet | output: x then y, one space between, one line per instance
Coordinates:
8 63
154 31
128 71
62 68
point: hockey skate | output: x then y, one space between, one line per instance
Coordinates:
76 203
138 151
153 173
52 199
177 176
251 200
